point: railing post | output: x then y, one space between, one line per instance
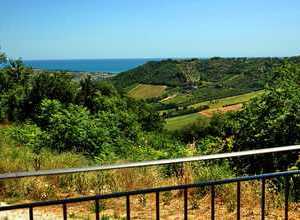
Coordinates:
97 209
185 203
212 202
262 198
30 213
286 198
238 200
128 207
65 215
157 205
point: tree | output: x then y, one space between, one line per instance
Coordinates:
87 92
70 128
106 88
3 58
147 115
93 94
74 128
14 73
16 69
271 120
58 86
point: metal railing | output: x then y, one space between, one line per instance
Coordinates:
52 172
98 198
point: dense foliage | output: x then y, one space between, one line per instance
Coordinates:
89 116
271 120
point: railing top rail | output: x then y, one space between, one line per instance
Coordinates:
64 171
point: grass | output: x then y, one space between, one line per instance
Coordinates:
232 78
178 98
127 89
144 91
179 122
230 100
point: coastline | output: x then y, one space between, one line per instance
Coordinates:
108 66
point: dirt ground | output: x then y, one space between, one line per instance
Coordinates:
144 208
209 112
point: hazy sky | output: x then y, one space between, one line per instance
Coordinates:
59 29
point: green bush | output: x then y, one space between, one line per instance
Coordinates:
26 134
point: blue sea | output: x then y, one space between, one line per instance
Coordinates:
89 65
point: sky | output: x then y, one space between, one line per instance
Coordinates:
83 29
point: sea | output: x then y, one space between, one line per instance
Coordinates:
113 66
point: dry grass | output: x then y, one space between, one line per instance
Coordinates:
143 206
211 111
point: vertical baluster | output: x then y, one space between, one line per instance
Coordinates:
30 213
212 202
157 205
185 200
65 215
262 200
97 209
238 200
128 207
286 198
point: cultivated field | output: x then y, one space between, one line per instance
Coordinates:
144 91
223 105
178 122
230 100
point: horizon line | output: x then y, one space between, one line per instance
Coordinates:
156 58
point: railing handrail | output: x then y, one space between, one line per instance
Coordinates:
15 175
151 190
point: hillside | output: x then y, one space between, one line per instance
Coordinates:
189 82
235 73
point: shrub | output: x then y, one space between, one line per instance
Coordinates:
25 134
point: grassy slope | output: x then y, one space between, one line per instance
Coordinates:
178 98
143 91
230 100
179 122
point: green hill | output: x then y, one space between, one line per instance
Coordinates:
226 72
191 81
